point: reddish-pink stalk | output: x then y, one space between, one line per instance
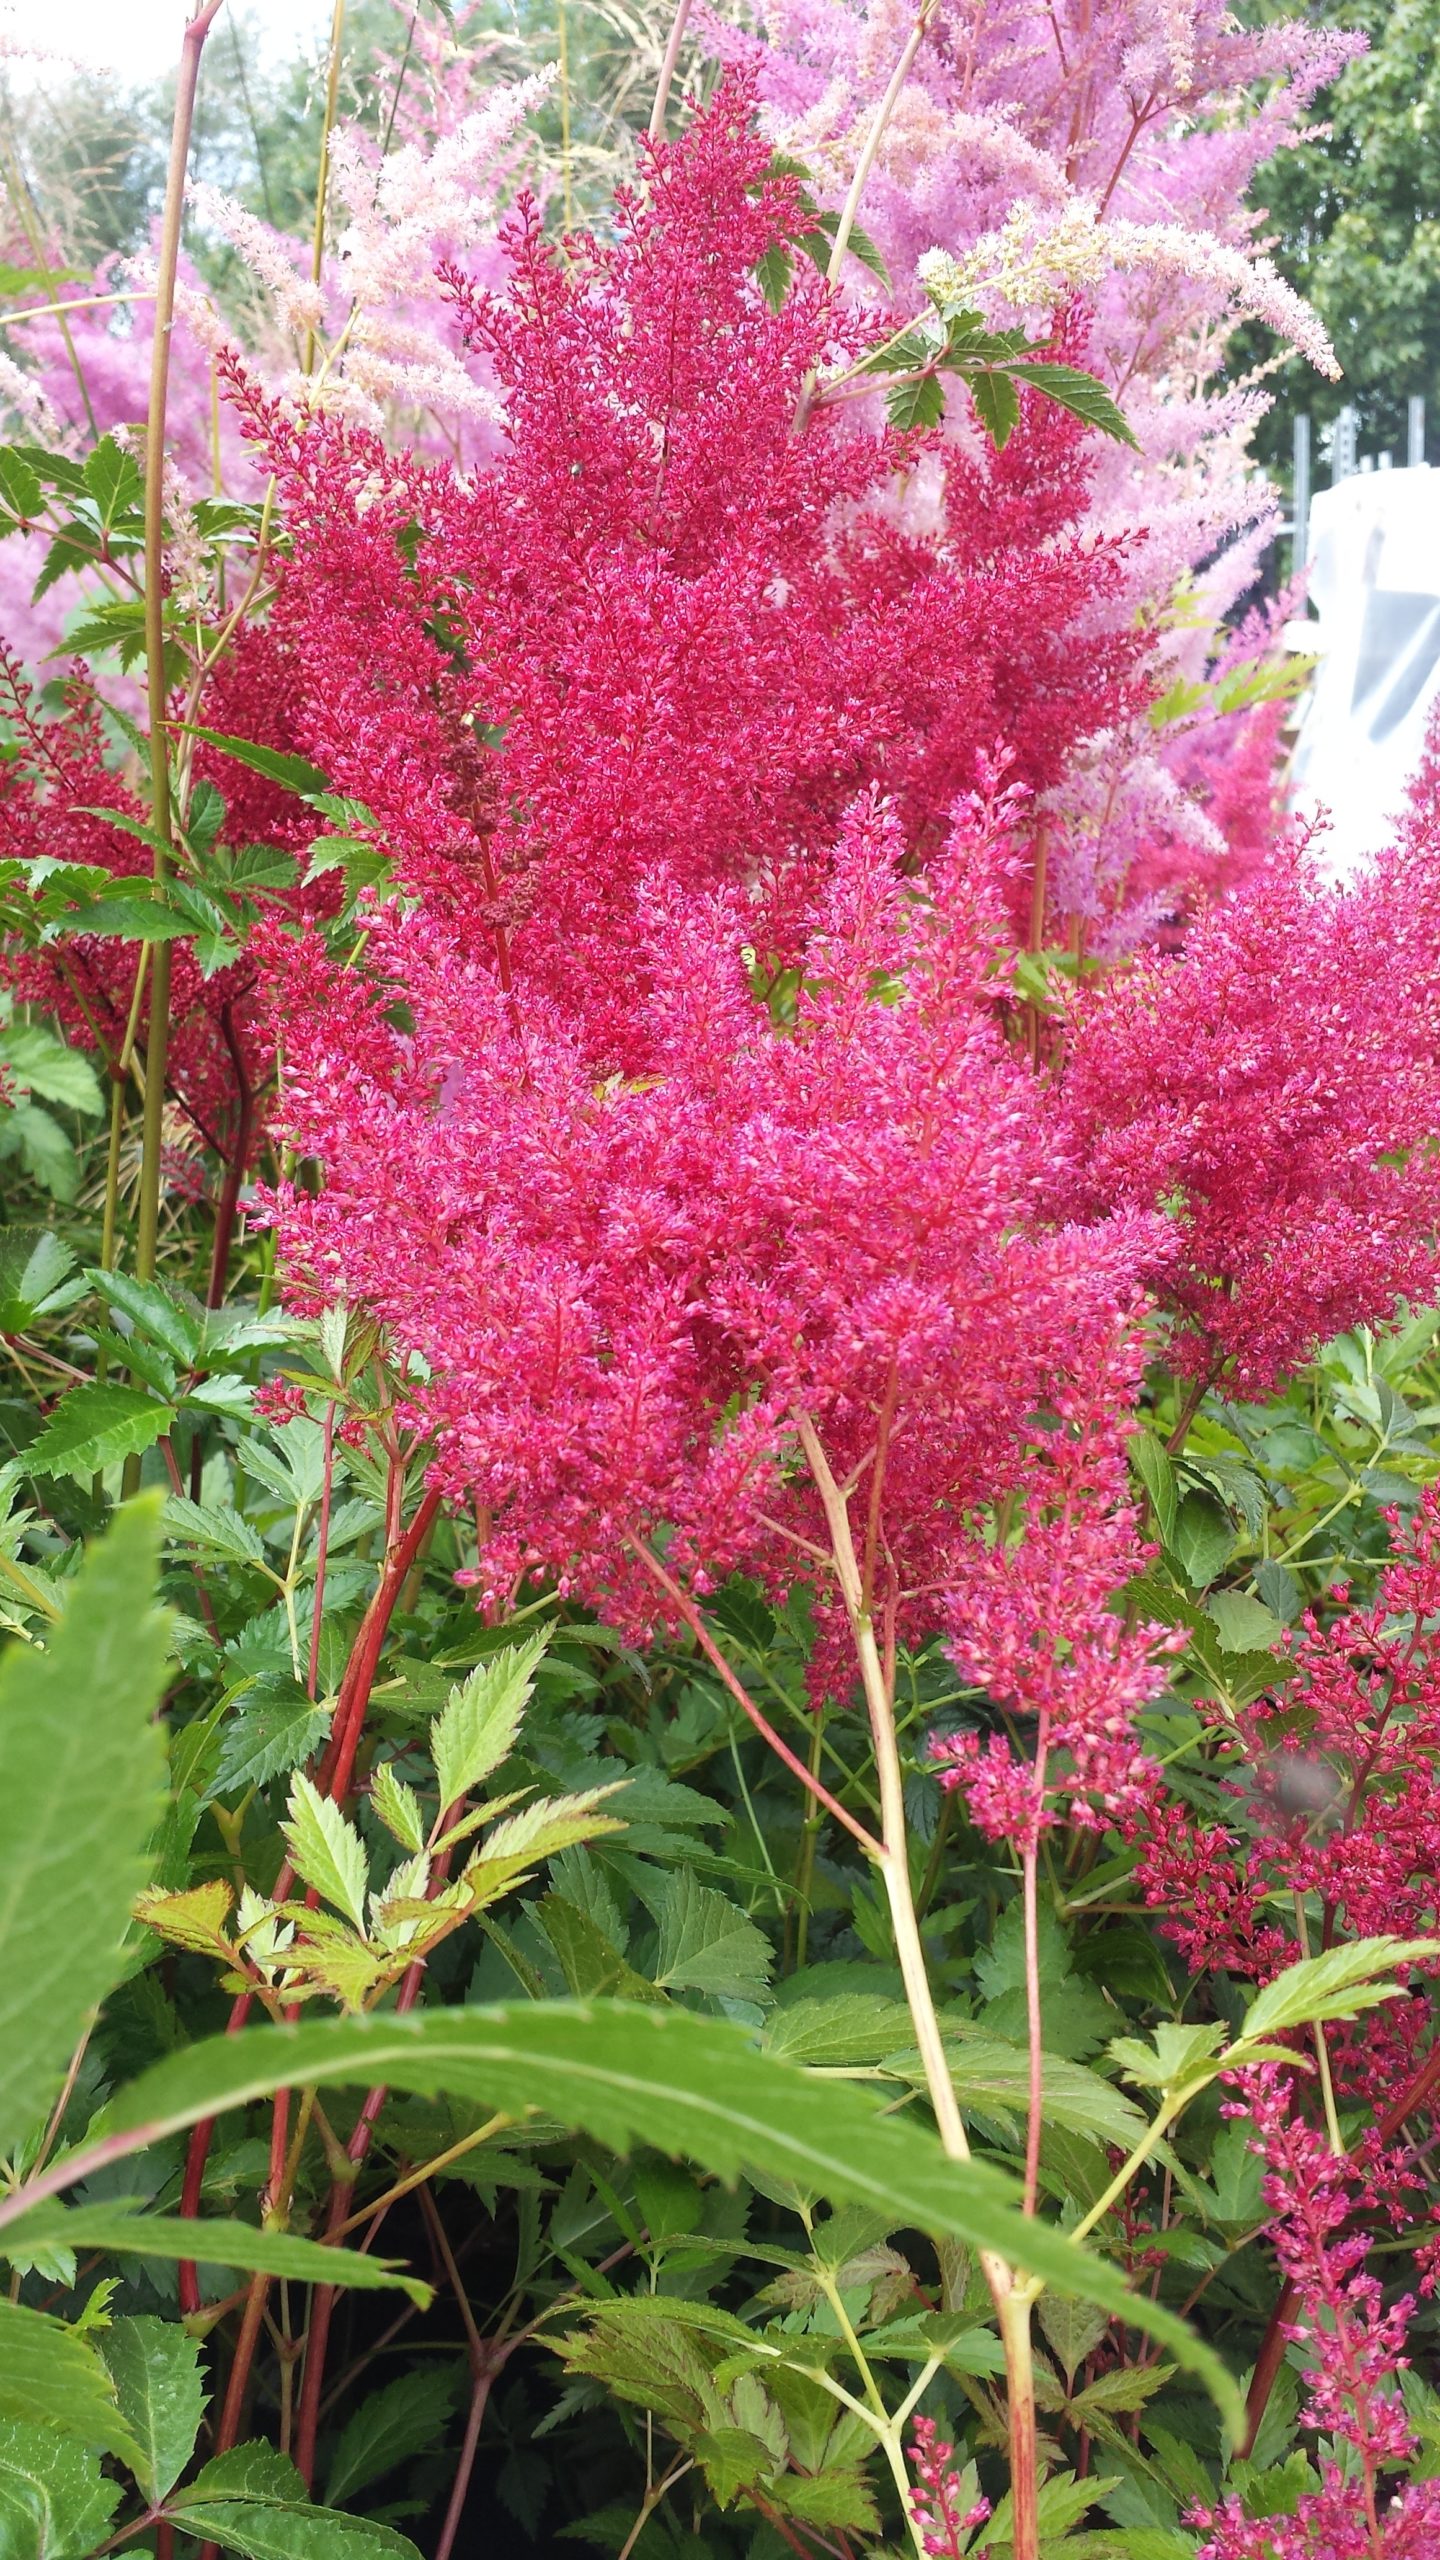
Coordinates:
686 1609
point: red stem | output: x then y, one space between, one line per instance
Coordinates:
333 1779
239 1156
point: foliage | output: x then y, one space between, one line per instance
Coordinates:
766 1879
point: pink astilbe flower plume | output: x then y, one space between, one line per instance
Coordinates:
1270 1091
665 633
626 1292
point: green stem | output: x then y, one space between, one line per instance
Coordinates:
322 184
158 1043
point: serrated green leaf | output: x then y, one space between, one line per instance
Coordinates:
93 1427
54 2502
911 406
482 1718
155 1311
20 492
1155 1468
1338 1984
327 1850
406 2418
293 773
36 1268
115 2228
706 1942
1080 393
997 405
43 1064
112 479
773 273
81 1772
213 1532
626 2073
52 2377
155 2368
397 1806
1242 1624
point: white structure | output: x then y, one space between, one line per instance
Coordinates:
1374 560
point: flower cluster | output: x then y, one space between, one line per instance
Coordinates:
1269 1089
946 2532
1337 1796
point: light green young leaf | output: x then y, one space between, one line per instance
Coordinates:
397 1806
479 1723
93 1427
1338 1984
81 1773
516 1845
694 2087
1176 2058
212 1531
327 1850
155 2368
55 2504
52 2377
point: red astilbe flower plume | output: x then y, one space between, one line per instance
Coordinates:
666 635
1341 1801
1269 1089
626 1291
222 1051
1354 2349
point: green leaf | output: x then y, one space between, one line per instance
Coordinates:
112 479
694 2087
591 1963
1154 1466
155 2368
481 1719
20 492
706 1942
1338 1984
81 1771
35 1277
54 2502
1080 393
52 2377
913 405
93 1427
293 773
253 2501
276 1726
772 274
35 1135
216 1533
1243 1625
50 1067
157 1312
327 1850
997 405
115 2228
406 2418
397 1806
1204 1539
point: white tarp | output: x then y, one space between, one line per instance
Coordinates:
1374 558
